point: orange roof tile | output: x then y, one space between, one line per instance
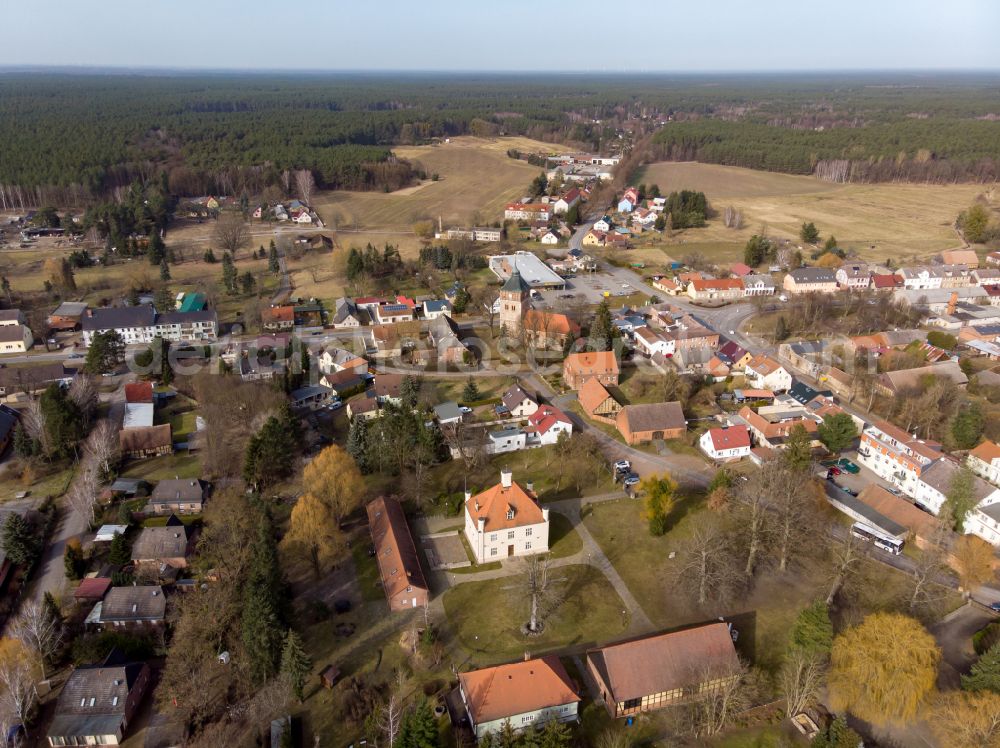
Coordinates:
494 693
987 451
398 561
591 395
592 362
549 322
494 505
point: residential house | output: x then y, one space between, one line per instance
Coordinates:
443 335
546 424
740 270
434 308
347 315
726 444
177 496
935 481
763 372
647 422
332 360
757 284
771 428
985 276
391 341
311 397
896 456
278 318
510 439
505 521
149 441
67 315
550 238
597 402
15 338
716 289
965 257
625 205
518 402
894 383
388 389
365 407
993 258
12 318
342 384
390 314
595 238
448 413
604 225
886 281
98 703
984 461
142 324
810 280
921 278
527 212
566 201
734 355
668 285
18 383
652 343
159 547
954 276
657 671
854 276
632 195
600 365
133 606
522 694
398 561
984 521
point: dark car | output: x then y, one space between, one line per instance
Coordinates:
995 606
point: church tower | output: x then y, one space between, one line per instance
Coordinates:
513 303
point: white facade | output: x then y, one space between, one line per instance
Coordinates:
893 458
921 279
602 225
709 447
984 521
506 440
651 343
562 713
778 380
19 341
988 470
514 526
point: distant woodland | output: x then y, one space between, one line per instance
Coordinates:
75 139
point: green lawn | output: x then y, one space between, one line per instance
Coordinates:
46 483
564 541
366 569
758 737
177 465
486 616
183 425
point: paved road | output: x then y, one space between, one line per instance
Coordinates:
954 636
50 576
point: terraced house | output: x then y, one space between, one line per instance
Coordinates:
142 323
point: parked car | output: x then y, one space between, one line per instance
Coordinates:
335 405
894 491
622 465
465 408
995 606
845 464
632 479
833 470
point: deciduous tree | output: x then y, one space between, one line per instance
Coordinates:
974 562
39 631
231 232
707 566
967 720
960 499
883 669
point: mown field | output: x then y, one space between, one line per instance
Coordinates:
899 221
476 179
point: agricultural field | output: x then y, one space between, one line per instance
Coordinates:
880 221
476 179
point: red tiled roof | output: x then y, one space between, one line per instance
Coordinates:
503 691
734 437
493 505
546 417
139 392
93 588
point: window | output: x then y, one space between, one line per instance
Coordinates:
493 551
527 532
510 514
527 546
493 536
510 535
631 704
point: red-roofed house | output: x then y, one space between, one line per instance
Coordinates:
716 289
984 460
725 444
505 521
277 318
884 282
524 694
740 270
139 392
599 365
547 423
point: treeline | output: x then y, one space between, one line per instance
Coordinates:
939 151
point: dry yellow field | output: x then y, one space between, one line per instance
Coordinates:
901 221
476 180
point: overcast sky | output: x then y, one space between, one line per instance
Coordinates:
474 35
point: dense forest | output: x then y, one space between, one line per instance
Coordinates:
76 138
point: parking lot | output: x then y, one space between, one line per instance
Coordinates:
586 287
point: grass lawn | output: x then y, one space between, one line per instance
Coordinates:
366 569
52 483
177 465
436 391
564 541
183 425
591 613
757 737
901 221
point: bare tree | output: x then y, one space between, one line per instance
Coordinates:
927 569
792 504
847 556
231 232
802 677
713 710
707 567
83 392
82 495
286 181
753 517
389 717
34 423
305 184
38 631
17 687
541 588
102 448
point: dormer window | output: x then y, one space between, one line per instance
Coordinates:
510 512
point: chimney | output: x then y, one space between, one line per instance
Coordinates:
506 478
545 514
952 301
529 486
527 655
468 495
481 525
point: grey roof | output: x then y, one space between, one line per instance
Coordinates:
303 393
515 283
447 411
907 378
139 603
10 333
654 416
813 275
992 511
344 308
70 309
156 543
758 279
940 474
113 318
10 315
803 393
437 305
178 489
504 433
855 269
126 485
93 700
874 518
34 377
179 318
514 396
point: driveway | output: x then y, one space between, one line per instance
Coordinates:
954 635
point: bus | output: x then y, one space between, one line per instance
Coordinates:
879 539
